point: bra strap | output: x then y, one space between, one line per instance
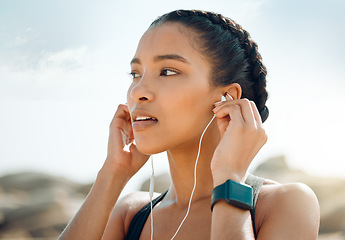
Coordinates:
137 224
256 183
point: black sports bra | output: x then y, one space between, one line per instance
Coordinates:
137 224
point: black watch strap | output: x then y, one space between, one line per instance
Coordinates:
237 194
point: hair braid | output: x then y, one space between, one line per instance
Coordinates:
259 71
234 54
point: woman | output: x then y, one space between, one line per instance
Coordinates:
185 62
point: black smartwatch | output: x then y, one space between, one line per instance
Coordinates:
237 194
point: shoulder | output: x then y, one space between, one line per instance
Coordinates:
290 211
124 211
130 204
133 201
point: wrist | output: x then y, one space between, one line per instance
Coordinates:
222 175
109 178
112 168
106 188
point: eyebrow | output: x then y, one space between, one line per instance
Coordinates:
162 58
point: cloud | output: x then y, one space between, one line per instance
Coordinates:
65 60
46 76
71 74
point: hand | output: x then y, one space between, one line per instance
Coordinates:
121 134
242 136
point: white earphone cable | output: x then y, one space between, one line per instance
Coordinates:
194 186
195 168
152 183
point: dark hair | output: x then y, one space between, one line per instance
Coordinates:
233 54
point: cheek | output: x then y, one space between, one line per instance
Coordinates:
188 116
193 104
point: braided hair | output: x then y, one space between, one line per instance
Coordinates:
233 54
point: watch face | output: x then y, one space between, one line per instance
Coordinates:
237 194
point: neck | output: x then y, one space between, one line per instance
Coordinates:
182 164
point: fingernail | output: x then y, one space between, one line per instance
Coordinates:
227 94
217 103
215 108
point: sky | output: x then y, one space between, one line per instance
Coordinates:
64 69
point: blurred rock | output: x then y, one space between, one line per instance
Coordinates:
332 236
38 206
35 205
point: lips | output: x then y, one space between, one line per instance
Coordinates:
142 120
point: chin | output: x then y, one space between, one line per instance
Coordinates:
149 149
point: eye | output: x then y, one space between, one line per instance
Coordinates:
168 72
134 75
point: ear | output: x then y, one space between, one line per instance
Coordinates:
234 89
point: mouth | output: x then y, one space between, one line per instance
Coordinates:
142 120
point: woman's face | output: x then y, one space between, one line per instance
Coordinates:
170 99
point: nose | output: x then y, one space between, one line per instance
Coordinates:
141 91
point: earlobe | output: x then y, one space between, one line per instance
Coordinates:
234 90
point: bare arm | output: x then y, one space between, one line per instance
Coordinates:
242 136
93 216
293 211
229 222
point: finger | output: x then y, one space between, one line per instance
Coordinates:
120 127
127 123
121 114
129 129
232 110
256 114
222 124
245 107
228 96
229 116
247 113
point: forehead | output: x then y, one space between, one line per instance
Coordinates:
168 38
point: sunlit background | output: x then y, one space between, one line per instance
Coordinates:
64 69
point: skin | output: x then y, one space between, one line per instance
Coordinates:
173 90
